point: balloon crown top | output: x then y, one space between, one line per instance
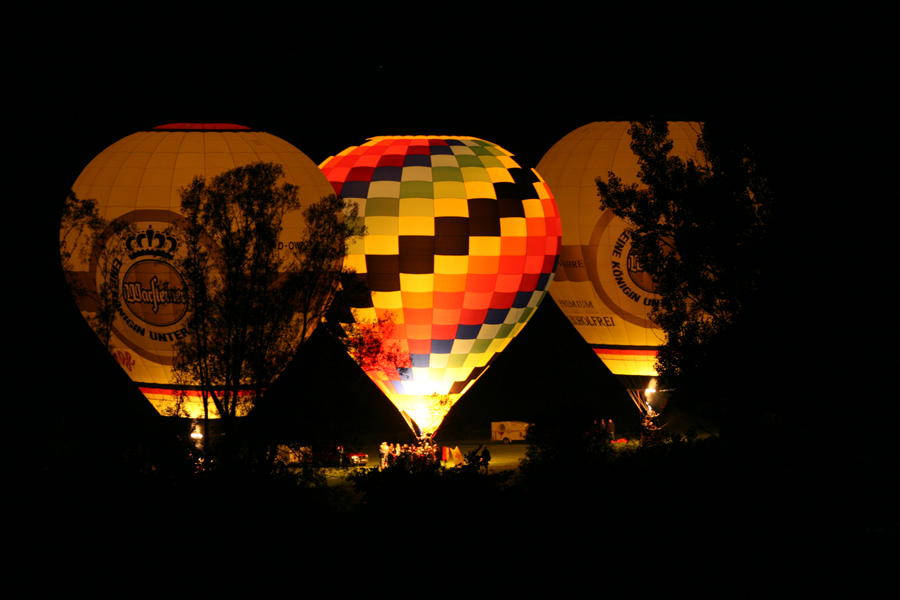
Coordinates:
202 127
151 243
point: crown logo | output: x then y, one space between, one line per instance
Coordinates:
151 243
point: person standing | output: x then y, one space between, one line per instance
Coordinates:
611 430
485 458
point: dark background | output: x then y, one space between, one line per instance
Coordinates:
807 90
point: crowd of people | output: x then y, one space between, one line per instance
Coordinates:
425 452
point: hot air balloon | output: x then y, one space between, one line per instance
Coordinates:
599 286
136 182
461 246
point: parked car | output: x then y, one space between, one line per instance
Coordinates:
330 456
355 457
323 455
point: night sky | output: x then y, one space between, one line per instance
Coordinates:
329 80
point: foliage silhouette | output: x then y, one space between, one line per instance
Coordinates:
100 244
703 230
367 344
253 301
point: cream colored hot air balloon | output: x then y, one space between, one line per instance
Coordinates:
599 286
461 246
136 181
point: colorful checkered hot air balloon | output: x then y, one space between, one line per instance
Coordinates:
136 181
599 286
462 243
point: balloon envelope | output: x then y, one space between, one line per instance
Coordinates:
461 247
137 181
599 286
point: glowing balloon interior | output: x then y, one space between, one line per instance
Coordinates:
599 286
461 247
136 181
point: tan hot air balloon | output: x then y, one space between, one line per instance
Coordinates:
599 286
136 181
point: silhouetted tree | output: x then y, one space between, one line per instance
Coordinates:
98 246
81 221
367 344
253 302
702 229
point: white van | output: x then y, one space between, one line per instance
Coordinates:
508 431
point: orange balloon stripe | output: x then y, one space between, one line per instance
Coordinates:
620 352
